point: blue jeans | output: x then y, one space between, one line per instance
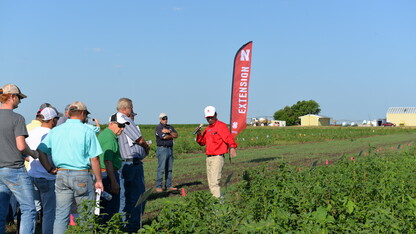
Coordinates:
165 165
45 191
17 182
131 187
13 205
109 207
70 184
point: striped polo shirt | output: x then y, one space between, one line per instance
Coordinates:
129 150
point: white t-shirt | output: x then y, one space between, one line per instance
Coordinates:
35 167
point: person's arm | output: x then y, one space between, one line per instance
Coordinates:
200 138
169 135
24 148
174 135
96 122
43 158
96 168
115 187
133 131
229 140
142 142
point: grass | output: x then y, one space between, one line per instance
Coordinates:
267 136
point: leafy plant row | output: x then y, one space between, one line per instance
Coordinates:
373 194
265 136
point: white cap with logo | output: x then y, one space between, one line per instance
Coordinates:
209 111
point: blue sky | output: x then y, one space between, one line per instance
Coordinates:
355 58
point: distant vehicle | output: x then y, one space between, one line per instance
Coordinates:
277 123
260 121
388 124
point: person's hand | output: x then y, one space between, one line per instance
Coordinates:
54 171
99 185
96 122
165 130
233 153
147 148
115 188
198 132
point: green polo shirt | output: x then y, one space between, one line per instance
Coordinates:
109 144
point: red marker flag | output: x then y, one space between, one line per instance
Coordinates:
239 93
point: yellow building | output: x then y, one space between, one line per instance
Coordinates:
314 120
402 116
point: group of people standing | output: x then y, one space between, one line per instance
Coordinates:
67 162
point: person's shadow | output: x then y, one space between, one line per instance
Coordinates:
166 193
259 160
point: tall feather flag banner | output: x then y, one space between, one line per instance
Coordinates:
239 93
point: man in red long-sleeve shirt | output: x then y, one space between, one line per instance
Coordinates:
218 140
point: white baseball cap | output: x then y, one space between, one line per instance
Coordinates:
209 111
117 117
163 115
44 105
48 113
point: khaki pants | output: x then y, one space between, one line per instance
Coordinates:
214 170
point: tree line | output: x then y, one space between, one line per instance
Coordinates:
291 114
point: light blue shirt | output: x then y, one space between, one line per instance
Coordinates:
94 128
72 145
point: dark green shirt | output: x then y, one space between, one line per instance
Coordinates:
111 152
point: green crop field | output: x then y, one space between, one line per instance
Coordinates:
371 193
268 150
269 136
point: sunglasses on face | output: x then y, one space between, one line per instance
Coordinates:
164 118
121 125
